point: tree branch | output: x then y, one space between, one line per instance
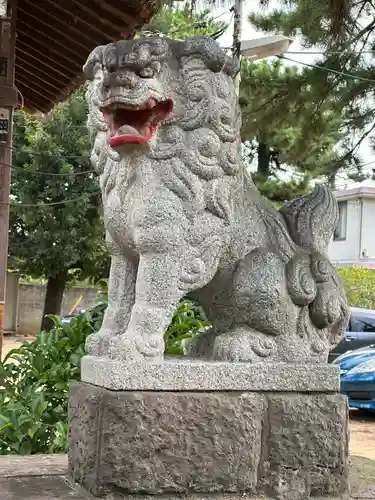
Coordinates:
354 149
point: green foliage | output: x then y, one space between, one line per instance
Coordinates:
48 241
280 113
34 379
188 322
34 382
184 22
345 33
63 242
281 109
359 285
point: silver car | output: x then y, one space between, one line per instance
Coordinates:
360 332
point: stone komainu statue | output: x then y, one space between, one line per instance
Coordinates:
183 216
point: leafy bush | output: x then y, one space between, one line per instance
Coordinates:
359 285
34 379
34 382
188 321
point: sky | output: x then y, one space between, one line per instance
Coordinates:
248 33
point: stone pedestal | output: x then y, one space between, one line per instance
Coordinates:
188 427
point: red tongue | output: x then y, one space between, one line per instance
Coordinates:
120 140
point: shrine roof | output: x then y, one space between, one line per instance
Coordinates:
55 37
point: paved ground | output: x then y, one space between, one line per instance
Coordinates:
362 428
43 477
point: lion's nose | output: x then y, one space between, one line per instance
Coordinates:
125 79
129 80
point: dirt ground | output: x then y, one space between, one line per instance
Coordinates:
362 435
13 342
362 427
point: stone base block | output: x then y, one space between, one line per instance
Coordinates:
282 446
194 375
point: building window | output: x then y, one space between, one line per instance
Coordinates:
340 230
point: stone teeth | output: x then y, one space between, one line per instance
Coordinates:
150 104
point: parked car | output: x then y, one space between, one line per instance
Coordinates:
357 372
360 332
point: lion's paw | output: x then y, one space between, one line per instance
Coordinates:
97 344
123 347
243 345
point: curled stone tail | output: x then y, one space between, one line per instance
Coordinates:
311 219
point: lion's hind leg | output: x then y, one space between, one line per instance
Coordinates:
243 343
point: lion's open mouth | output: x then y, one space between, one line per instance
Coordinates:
135 125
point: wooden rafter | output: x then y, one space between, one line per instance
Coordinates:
40 35
55 37
39 54
33 78
65 34
28 57
38 73
81 21
102 21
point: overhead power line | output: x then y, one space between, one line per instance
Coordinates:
51 155
329 70
53 174
56 174
53 203
329 52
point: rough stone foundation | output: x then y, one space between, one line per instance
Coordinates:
283 445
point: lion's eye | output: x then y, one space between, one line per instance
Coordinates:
226 119
146 72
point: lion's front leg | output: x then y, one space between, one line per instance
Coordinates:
121 292
158 292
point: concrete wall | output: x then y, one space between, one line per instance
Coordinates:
360 235
368 228
348 249
31 302
11 302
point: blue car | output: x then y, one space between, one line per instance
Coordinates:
357 369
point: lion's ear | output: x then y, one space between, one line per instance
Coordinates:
214 57
94 62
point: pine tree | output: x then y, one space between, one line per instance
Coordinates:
184 22
344 31
285 126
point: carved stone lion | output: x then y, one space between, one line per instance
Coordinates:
183 216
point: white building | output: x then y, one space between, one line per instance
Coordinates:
353 243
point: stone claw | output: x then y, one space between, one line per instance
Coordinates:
97 344
123 347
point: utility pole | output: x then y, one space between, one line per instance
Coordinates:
8 101
237 34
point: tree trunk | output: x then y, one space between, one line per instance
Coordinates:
237 31
332 181
54 295
264 161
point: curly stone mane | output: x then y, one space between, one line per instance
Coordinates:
197 150
183 216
